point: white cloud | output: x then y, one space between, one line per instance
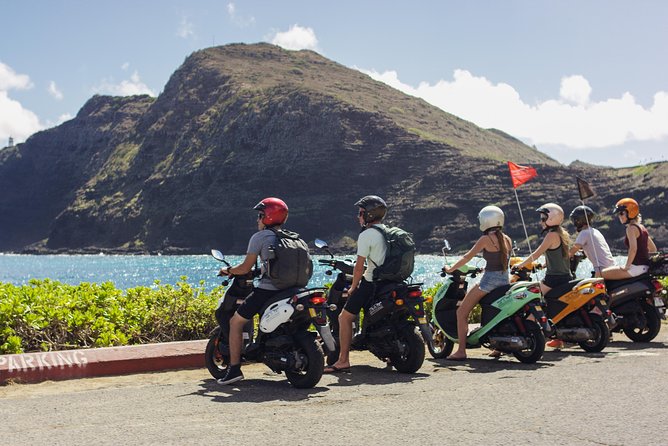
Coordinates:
571 120
575 89
127 87
185 29
15 120
296 38
54 91
125 66
239 20
9 79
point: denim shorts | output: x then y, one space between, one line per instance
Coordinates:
492 280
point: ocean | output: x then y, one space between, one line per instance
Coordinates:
128 271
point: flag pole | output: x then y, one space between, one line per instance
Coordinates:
526 234
585 192
591 237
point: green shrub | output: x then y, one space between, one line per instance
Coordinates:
47 315
429 293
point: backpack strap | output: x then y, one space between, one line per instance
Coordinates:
381 229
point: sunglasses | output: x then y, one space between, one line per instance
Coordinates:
260 216
543 219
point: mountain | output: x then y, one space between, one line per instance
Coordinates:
237 123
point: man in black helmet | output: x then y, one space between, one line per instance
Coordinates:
590 240
371 249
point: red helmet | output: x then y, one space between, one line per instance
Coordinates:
273 210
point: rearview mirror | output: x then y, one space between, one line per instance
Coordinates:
446 245
217 255
320 244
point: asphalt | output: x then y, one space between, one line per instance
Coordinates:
87 363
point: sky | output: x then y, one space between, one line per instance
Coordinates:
578 79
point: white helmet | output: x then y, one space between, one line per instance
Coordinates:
490 217
553 212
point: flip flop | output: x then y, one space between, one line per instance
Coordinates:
335 369
451 358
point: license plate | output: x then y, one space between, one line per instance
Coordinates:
311 311
596 310
422 320
538 308
658 302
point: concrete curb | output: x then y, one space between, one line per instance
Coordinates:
85 363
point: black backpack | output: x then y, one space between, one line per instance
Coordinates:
290 265
400 257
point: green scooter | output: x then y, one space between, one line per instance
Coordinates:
512 319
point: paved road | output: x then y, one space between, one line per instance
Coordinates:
617 397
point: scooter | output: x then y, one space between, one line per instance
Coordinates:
512 319
636 304
389 326
579 312
284 342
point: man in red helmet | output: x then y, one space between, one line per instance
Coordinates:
272 213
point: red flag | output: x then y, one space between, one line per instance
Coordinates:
520 174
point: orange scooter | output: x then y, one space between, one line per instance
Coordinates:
579 312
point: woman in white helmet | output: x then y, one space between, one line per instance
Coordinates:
495 247
555 246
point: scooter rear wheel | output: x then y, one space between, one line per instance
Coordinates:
315 363
536 344
651 328
411 358
600 341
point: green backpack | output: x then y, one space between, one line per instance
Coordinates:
400 257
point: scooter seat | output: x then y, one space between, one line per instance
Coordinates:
280 295
560 290
494 295
613 284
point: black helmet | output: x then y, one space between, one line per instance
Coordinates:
581 215
374 207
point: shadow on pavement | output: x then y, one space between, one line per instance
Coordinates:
255 391
630 345
366 374
488 365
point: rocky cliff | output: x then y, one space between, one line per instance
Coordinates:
234 124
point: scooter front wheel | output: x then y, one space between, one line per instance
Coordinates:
441 346
215 361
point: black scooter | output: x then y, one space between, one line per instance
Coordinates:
389 326
283 342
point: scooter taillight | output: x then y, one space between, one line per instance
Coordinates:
318 299
657 286
415 293
534 289
599 285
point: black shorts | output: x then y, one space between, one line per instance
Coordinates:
360 297
554 280
254 302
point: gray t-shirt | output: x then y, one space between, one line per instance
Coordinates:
598 251
259 244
